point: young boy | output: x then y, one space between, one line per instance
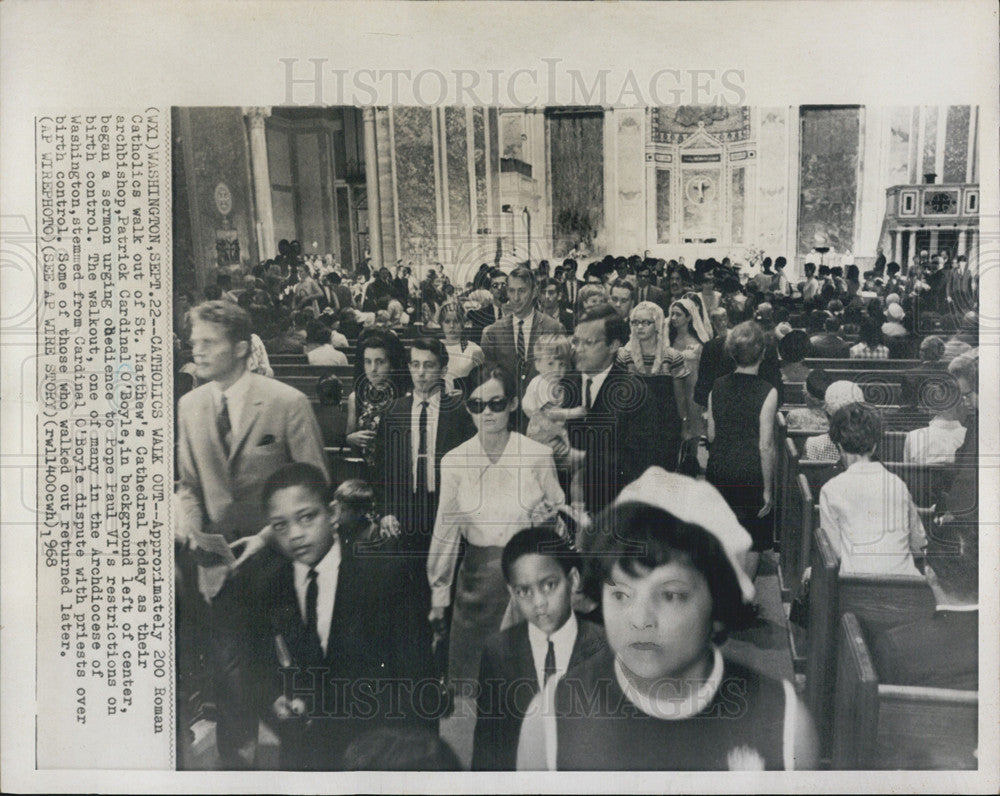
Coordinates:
542 573
337 645
544 405
866 511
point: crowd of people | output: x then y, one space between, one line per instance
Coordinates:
568 482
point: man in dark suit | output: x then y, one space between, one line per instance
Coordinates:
333 640
943 651
511 340
542 573
569 285
623 431
646 289
233 432
829 344
548 303
416 431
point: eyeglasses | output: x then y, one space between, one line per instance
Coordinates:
580 342
640 322
477 406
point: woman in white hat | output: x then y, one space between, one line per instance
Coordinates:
667 561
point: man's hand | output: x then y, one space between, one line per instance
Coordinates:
768 504
436 619
247 547
389 527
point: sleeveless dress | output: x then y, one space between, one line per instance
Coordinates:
599 728
734 457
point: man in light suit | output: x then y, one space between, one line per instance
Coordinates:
510 341
233 432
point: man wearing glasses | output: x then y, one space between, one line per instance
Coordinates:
622 433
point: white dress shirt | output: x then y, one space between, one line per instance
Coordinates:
528 322
433 411
327 571
596 382
487 503
934 444
871 521
236 399
562 643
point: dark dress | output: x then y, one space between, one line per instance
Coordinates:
371 403
598 728
734 458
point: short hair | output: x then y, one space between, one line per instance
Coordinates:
794 346
356 495
329 390
432 344
870 332
966 366
308 476
615 327
809 268
745 343
523 274
234 320
639 536
557 344
817 383
624 284
589 291
317 332
931 348
953 554
831 324
546 283
856 427
487 372
540 540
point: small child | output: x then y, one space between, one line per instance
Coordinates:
866 511
543 404
543 574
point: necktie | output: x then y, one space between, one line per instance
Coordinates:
422 448
225 426
312 595
588 398
550 662
519 343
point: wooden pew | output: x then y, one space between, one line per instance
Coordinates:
787 516
872 364
893 727
878 601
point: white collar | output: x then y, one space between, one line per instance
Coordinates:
601 376
958 608
327 565
670 709
562 642
235 391
950 425
568 630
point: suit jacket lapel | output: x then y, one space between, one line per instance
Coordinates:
251 411
522 659
288 620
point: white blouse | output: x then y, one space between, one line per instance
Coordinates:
488 503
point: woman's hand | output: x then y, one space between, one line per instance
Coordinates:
361 439
768 504
389 527
436 620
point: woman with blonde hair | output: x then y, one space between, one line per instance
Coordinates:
649 353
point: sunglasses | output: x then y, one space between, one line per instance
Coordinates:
477 406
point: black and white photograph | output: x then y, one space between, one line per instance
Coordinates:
576 438
541 396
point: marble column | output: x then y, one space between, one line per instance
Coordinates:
261 178
371 186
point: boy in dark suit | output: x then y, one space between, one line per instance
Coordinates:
333 645
542 573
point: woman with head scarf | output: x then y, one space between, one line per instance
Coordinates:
688 335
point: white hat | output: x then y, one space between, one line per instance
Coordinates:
698 503
895 312
841 393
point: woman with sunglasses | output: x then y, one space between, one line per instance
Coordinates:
491 487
